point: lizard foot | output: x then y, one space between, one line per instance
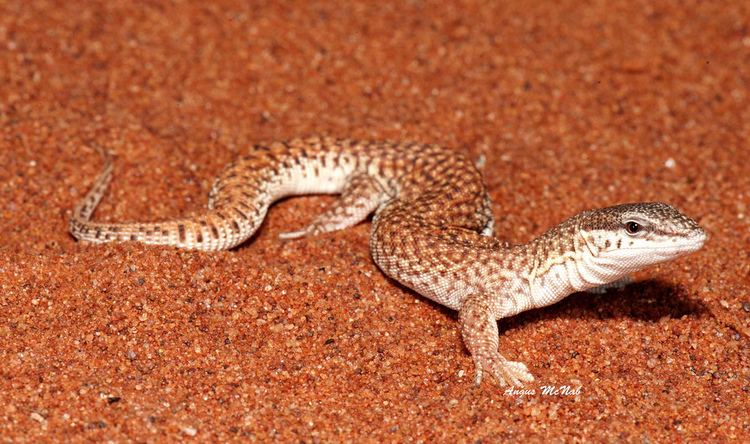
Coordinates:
310 230
505 372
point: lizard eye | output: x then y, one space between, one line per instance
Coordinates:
633 227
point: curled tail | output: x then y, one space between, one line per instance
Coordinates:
229 222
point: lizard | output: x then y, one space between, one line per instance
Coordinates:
432 230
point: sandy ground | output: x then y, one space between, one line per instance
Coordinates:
571 106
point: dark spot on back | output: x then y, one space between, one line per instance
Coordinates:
240 213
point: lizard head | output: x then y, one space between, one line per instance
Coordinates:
626 238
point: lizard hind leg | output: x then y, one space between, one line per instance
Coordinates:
361 195
480 334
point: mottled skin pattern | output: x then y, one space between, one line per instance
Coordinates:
432 230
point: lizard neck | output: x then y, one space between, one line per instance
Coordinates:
554 265
568 260
556 273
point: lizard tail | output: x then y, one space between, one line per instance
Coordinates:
219 228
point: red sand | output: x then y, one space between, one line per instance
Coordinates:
572 106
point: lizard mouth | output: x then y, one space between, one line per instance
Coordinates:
665 251
659 252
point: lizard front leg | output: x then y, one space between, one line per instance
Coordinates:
480 334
